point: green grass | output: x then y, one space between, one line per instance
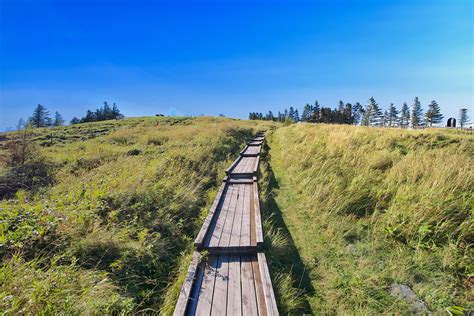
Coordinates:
113 230
367 208
348 212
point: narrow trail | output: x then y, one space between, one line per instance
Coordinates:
233 279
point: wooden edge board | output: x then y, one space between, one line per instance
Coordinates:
267 285
239 181
255 143
205 226
186 288
243 150
255 167
258 217
232 166
232 250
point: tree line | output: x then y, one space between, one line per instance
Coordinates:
369 115
41 117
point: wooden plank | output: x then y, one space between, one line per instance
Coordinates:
261 304
240 181
237 227
245 231
198 242
185 294
227 229
206 292
255 166
194 298
253 241
232 166
249 299
219 302
258 216
267 285
234 292
216 230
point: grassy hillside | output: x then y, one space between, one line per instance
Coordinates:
105 227
372 209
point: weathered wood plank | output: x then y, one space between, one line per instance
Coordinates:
261 304
249 299
185 294
258 216
198 242
253 240
237 227
234 293
267 285
233 208
216 229
219 302
196 288
245 230
206 292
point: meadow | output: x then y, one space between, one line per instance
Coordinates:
371 210
113 225
106 221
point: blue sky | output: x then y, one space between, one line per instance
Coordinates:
231 57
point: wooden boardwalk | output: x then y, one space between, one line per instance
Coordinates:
234 278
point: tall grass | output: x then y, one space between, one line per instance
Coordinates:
109 235
368 208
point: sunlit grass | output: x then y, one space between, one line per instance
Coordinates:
370 207
108 235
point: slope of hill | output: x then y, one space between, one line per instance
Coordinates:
377 215
104 228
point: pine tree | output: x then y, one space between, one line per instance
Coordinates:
433 115
392 119
463 118
40 117
307 112
405 115
291 113
357 113
373 114
296 116
75 120
376 115
316 113
58 119
348 118
416 114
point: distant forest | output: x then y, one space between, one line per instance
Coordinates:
41 117
368 115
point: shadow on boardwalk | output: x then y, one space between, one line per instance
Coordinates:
284 259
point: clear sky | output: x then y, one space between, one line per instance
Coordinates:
231 57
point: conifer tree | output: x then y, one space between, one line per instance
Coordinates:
357 113
75 120
416 114
40 117
307 112
348 118
373 113
296 116
58 119
405 115
433 115
316 113
392 118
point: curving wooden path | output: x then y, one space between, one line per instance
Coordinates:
233 279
